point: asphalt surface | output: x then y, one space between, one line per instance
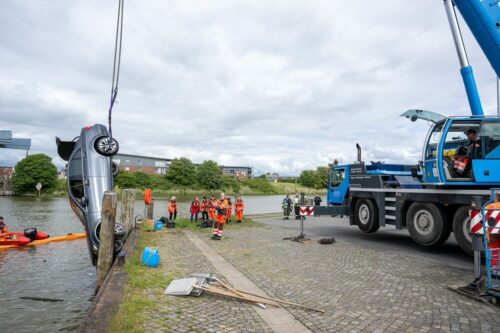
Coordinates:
387 238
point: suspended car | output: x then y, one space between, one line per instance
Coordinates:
90 171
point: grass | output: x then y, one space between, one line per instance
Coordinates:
143 281
135 302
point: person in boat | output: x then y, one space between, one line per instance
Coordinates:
3 226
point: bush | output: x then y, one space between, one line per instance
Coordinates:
231 183
259 185
34 169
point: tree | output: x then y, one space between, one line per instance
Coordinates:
231 183
210 176
322 173
181 172
33 169
309 178
143 180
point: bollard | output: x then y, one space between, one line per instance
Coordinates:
106 238
477 245
149 210
128 203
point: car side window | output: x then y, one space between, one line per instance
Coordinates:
75 175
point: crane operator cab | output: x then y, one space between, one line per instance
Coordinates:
460 150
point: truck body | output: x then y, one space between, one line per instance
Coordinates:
432 198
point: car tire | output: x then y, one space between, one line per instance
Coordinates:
366 215
118 245
103 146
115 169
427 224
461 229
120 231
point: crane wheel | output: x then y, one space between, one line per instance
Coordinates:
461 228
366 215
427 224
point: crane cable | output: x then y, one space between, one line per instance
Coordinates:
116 64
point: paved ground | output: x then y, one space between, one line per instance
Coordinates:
367 285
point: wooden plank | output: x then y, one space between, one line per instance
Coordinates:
128 204
106 237
150 210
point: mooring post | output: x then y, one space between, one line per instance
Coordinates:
128 204
477 245
106 238
149 210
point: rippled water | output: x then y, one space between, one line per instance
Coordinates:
61 271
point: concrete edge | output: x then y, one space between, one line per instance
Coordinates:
107 301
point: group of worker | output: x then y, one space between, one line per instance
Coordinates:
287 203
217 212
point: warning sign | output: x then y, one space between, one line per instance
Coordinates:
306 210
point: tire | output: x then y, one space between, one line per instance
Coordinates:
366 215
461 228
115 169
427 224
118 245
120 231
103 146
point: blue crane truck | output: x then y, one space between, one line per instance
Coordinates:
432 198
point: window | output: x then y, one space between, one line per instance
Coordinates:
139 168
337 177
75 175
127 161
127 168
435 137
139 161
489 136
160 164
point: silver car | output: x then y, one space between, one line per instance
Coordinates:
90 172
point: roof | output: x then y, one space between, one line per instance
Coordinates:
142 156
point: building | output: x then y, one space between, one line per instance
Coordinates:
272 177
146 164
159 166
238 172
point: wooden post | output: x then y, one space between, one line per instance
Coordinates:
106 238
128 203
149 210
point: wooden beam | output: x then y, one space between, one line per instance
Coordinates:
106 237
128 204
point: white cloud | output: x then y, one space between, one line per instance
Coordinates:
280 86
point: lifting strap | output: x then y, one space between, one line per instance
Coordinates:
116 62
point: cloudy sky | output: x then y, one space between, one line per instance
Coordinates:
281 86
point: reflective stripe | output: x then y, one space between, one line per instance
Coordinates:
476 221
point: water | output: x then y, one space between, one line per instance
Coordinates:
62 270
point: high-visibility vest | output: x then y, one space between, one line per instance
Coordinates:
148 196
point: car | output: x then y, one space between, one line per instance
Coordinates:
90 172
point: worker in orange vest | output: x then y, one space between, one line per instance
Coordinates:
494 239
203 209
172 209
238 207
195 209
3 226
221 208
229 210
211 209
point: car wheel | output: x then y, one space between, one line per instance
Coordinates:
114 168
106 146
427 224
118 246
366 215
120 231
461 229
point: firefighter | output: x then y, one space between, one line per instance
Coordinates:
238 207
211 209
221 207
3 226
195 209
296 206
286 205
229 210
172 209
203 209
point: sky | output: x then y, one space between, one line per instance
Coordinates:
280 86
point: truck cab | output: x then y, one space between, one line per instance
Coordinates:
460 151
